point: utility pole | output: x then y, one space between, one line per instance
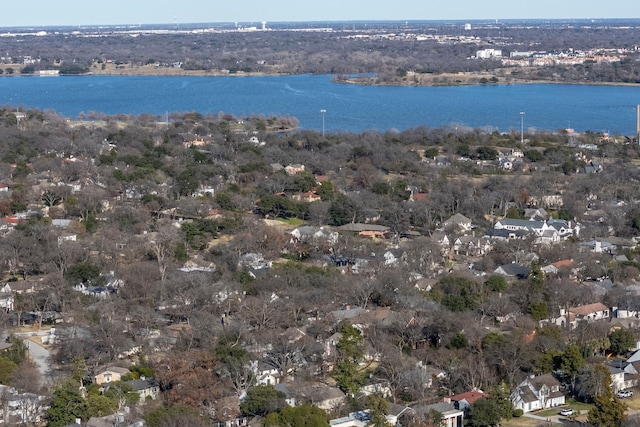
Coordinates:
322 112
522 127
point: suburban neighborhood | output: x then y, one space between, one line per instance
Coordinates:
405 278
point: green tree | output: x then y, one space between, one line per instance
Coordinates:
431 152
21 170
515 213
484 412
83 271
621 340
463 150
91 224
534 155
17 353
458 341
486 153
497 283
351 344
536 277
300 416
344 210
262 400
350 351
570 363
457 293
326 191
7 368
122 394
100 405
608 410
67 404
175 416
538 310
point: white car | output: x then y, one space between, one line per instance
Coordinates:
567 412
624 393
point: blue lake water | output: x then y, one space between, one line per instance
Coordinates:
348 107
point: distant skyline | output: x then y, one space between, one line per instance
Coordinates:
114 12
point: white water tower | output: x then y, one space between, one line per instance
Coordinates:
264 25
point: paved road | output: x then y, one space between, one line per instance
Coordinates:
41 356
37 352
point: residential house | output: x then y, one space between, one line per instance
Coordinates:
67 237
535 214
317 394
359 419
346 312
538 392
565 265
368 230
307 197
314 235
110 375
549 201
590 312
630 372
599 246
6 298
8 223
377 387
472 246
457 222
265 373
147 388
617 378
463 401
294 169
451 417
119 419
564 229
21 408
512 270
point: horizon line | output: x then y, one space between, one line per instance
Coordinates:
340 21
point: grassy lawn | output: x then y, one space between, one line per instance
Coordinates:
295 222
520 422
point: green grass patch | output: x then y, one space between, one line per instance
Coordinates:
579 407
295 222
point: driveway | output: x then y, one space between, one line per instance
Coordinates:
40 355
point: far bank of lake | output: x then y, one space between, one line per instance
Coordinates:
348 107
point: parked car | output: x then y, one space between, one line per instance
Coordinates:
624 393
567 412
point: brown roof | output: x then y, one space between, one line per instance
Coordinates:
469 396
564 263
585 310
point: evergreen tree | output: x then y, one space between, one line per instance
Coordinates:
608 410
621 340
67 404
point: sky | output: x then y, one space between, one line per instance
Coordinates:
114 12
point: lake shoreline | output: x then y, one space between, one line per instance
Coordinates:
411 80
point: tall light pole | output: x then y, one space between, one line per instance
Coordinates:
522 127
322 112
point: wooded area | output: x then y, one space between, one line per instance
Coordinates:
387 50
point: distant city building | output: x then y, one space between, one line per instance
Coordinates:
489 53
